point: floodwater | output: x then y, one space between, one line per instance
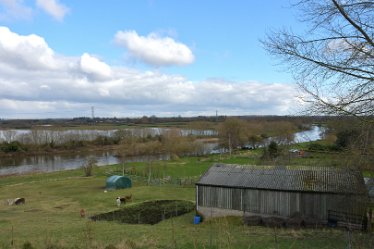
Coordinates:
57 162
44 136
314 134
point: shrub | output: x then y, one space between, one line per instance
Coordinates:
252 220
89 166
316 146
13 146
272 151
322 147
73 144
346 138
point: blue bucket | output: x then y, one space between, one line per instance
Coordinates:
197 219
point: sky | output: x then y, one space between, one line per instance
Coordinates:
122 58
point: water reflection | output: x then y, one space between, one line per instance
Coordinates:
51 163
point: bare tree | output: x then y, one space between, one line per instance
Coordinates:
333 63
233 133
9 135
89 166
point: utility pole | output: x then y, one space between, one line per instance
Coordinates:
93 112
230 143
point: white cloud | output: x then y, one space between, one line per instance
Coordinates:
14 9
35 82
30 51
155 50
18 9
104 92
337 46
46 87
53 8
94 66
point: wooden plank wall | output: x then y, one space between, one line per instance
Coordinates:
280 203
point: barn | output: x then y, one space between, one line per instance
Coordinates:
118 182
319 193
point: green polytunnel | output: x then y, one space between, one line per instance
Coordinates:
118 182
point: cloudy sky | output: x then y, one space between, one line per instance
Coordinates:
58 58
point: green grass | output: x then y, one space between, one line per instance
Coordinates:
187 166
53 202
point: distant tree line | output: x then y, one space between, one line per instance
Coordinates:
145 120
135 141
233 132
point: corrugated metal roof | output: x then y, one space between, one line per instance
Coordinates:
310 179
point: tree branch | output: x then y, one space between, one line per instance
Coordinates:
346 16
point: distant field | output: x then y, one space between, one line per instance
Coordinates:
51 216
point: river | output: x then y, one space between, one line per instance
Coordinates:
57 162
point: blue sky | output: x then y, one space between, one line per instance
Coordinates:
135 58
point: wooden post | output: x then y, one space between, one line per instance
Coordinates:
12 241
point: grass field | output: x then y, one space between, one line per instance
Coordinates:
51 216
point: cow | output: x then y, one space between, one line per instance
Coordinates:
128 197
19 201
82 213
120 200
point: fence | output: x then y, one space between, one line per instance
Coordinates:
155 179
348 220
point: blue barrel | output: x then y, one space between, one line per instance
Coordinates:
197 219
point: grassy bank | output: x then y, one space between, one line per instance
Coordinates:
51 216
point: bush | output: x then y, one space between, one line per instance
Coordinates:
272 151
346 138
274 221
317 146
12 147
105 140
89 166
253 220
322 147
73 144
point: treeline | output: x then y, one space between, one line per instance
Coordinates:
145 120
171 142
348 134
135 141
231 133
237 132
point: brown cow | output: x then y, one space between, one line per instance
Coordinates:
82 213
128 197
